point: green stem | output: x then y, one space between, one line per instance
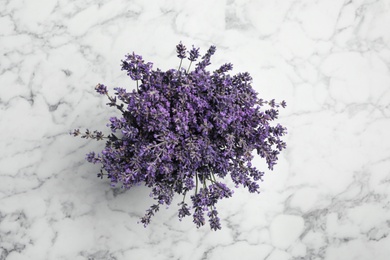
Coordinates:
181 60
189 66
212 174
196 177
211 180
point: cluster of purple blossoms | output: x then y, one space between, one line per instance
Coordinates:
184 132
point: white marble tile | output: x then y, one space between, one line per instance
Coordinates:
329 196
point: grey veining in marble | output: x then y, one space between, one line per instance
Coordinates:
329 196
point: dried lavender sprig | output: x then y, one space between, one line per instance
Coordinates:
181 53
97 135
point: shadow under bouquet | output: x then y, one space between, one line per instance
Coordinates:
184 131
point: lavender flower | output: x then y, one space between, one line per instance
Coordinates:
194 54
206 59
101 89
181 50
183 132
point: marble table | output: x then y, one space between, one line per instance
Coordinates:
328 197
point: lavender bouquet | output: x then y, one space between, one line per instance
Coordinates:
184 131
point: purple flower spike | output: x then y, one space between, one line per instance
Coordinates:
181 50
194 54
101 89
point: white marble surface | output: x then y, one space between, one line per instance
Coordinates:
329 196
